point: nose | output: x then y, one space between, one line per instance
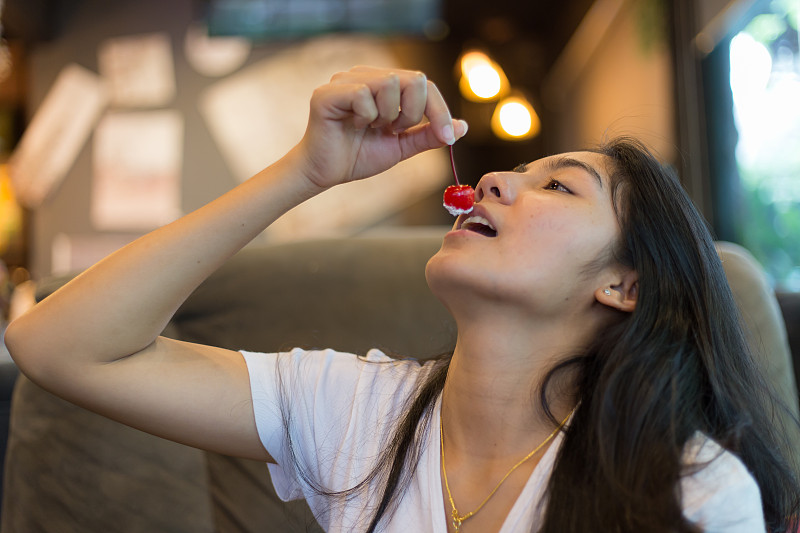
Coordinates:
495 186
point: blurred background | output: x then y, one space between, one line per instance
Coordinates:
117 116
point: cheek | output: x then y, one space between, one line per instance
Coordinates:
568 221
547 234
561 244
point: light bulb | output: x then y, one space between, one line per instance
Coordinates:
484 81
481 78
515 119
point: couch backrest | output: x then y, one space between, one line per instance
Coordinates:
349 294
763 320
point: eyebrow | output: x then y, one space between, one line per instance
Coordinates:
568 162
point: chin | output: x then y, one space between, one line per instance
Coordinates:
468 283
453 279
444 275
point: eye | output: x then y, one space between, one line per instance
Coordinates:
555 185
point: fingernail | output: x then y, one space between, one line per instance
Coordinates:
448 135
466 126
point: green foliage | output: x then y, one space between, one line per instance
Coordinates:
769 221
652 17
767 27
790 9
770 226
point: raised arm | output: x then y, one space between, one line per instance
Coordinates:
96 341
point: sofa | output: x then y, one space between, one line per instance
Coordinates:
68 470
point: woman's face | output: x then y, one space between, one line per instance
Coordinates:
533 237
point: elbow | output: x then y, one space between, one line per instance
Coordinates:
13 341
21 345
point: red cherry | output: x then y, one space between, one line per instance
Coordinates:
458 199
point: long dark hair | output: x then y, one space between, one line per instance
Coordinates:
677 365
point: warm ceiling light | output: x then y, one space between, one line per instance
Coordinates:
515 119
473 59
484 81
481 78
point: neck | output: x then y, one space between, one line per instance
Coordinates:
491 405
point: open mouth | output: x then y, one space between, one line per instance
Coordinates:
478 224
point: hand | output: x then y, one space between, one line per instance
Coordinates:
367 119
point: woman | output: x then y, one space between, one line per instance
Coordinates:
585 278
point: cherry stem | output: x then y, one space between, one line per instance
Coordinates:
453 165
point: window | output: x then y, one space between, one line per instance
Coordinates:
765 86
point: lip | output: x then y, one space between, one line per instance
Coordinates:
477 210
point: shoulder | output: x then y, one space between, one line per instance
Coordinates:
324 414
717 490
329 380
315 365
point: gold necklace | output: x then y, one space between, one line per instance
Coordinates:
457 518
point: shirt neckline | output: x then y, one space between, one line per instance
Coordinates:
532 492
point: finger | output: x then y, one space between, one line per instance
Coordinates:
461 127
423 137
365 112
415 93
387 99
412 100
439 115
400 94
341 101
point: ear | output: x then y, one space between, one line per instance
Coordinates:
622 294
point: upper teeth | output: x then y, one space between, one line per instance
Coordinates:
475 219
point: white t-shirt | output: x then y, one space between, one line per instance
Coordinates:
342 409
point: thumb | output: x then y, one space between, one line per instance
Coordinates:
423 138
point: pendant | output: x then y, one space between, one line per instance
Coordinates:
456 521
